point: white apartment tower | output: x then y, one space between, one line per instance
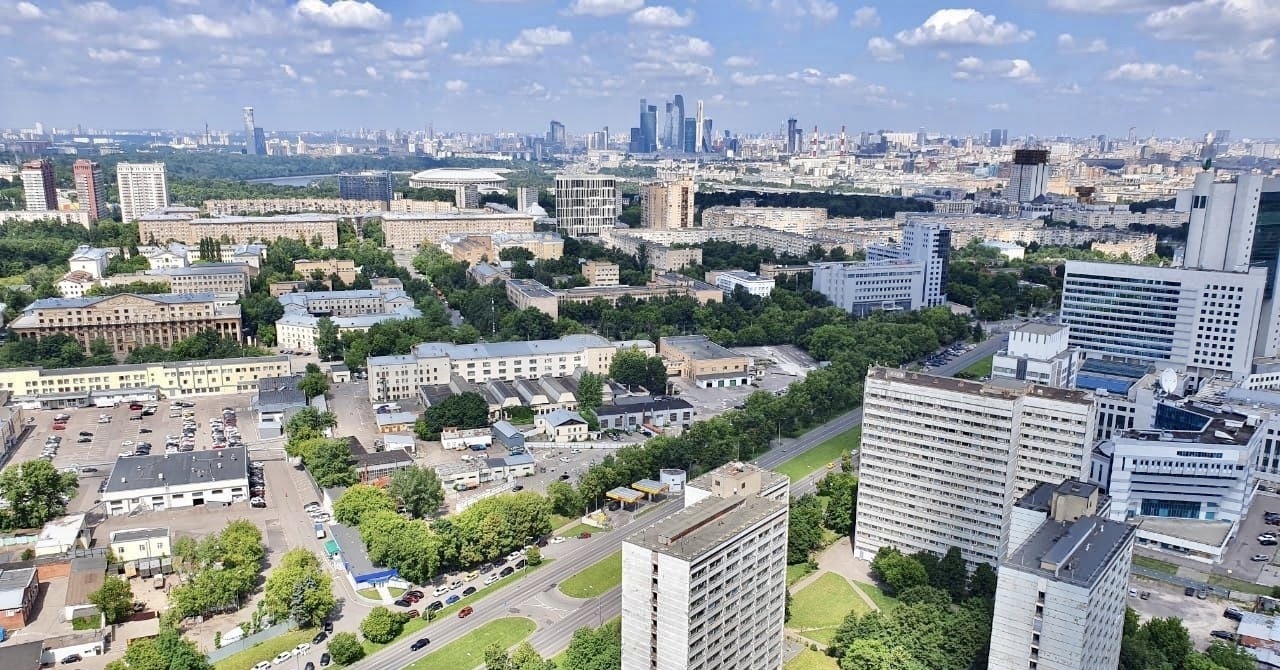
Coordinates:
586 203
1060 598
943 460
1029 175
706 587
922 242
143 189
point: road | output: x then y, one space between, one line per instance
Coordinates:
554 637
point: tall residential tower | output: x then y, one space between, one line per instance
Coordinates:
91 189
143 188
38 185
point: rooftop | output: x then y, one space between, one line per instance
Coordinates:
646 406
560 417
12 584
1075 553
281 391
469 215
135 534
135 473
304 217
1005 388
208 269
21 656
79 303
1039 328
87 575
703 526
531 288
395 418
565 345
1211 533
353 550
460 175
768 478
698 347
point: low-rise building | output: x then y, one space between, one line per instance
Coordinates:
141 544
18 592
409 230
533 294
345 269
703 362
465 438
176 481
474 472
91 260
375 467
348 311
601 273
476 248
38 387
753 284
127 321
659 414
75 284
1136 247
395 422
209 278
183 224
1038 352
507 435
562 426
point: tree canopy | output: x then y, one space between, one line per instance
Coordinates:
463 410
34 492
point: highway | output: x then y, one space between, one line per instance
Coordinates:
554 637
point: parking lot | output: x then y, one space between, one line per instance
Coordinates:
944 356
1168 600
1240 552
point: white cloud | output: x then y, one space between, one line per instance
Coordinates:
455 86
27 11
998 106
1151 72
1261 51
549 36
348 14
97 12
349 93
371 71
660 16
822 10
321 48
865 17
288 71
1109 6
808 75
437 27
1069 89
883 50
604 7
405 49
528 44
742 79
411 75
1016 69
1215 19
1067 44
842 79
121 57
963 26
739 61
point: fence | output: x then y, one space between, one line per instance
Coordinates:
1181 581
259 637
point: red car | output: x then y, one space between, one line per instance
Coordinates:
135 406
584 536
59 426
465 612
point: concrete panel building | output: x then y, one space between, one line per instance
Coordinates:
586 204
91 189
943 460
410 230
83 387
345 269
264 206
798 220
601 273
667 204
39 186
752 283
182 224
476 249
144 188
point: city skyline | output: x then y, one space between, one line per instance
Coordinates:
1061 67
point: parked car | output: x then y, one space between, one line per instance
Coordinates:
520 564
1189 591
301 649
452 599
325 659
401 603
468 591
263 665
282 657
490 579
465 612
1260 558
419 643
71 658
584 535
309 666
1223 635
328 627
415 593
435 606
320 637
506 571
413 614
1233 613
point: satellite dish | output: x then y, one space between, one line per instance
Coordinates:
1168 381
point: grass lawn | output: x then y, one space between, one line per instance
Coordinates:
467 652
414 625
828 452
797 572
1155 564
811 660
265 651
1239 585
395 592
559 521
819 608
579 529
886 603
371 594
978 370
595 579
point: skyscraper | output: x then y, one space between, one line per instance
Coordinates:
998 137
366 185
91 188
707 135
143 188
706 586
38 185
669 127
690 136
648 127
1029 178
555 135
793 136
678 141
937 443
255 142
700 139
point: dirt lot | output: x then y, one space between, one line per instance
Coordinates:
1167 600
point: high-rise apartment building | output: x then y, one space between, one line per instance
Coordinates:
143 188
586 203
38 185
943 460
1060 597
667 204
91 189
1029 176
376 185
255 142
706 587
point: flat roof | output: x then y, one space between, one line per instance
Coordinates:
395 418
78 303
565 345
768 478
12 584
87 575
352 549
1211 533
644 407
998 386
1039 328
281 391
21 656
698 347
136 473
135 534
703 526
624 494
383 459
531 288
1074 552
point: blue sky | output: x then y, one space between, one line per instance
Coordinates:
1168 67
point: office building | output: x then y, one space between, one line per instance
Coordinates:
127 321
701 129
705 587
667 204
998 137
183 224
369 185
436 363
793 137
752 283
648 127
39 186
601 273
143 189
1060 598
863 287
1029 175
585 204
703 363
176 481
690 134
1038 353
944 459
1200 322
922 242
409 230
91 189
255 143
555 135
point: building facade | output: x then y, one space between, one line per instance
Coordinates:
183 225
1029 175
209 278
39 186
345 269
127 321
475 249
943 459
586 204
863 287
703 362
82 387
798 220
91 189
264 206
922 242
753 284
143 188
601 273
1038 353
367 185
667 204
177 481
410 230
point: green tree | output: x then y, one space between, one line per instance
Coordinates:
590 392
299 588
841 491
982 583
328 346
564 500
1230 656
953 576
418 489
595 649
804 529
314 384
346 648
496 658
898 572
114 599
167 651
330 464
464 410
1170 637
876 655
34 491
515 254
629 367
534 557
381 625
525 657
360 501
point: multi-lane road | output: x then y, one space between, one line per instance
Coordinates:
520 599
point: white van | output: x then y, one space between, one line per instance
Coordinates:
319 528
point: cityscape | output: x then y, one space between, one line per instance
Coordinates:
611 335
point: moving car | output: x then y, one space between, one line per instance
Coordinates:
419 643
465 612
320 637
1259 558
